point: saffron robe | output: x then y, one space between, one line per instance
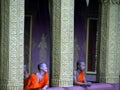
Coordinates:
32 82
80 77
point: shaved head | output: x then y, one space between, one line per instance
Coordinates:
81 65
42 66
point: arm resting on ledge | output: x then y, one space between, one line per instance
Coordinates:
84 83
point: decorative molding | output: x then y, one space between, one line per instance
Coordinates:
64 83
109 79
87 46
114 2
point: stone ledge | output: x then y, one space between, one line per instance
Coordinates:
97 86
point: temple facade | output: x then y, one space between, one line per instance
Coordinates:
62 43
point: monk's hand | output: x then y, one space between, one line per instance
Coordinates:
86 84
43 89
89 83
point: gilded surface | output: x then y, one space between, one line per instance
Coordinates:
12 33
109 71
62 36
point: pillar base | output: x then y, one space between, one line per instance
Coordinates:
6 87
109 79
62 83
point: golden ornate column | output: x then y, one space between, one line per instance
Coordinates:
109 53
62 42
118 41
12 44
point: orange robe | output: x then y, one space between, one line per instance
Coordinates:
81 76
32 83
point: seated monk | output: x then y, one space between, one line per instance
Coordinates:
79 75
38 81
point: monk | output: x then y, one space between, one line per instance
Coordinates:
79 75
39 80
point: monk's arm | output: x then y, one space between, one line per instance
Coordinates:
75 80
78 83
47 82
88 83
85 81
